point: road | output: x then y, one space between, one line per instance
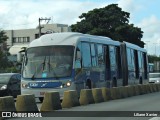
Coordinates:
148 103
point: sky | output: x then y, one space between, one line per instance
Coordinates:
23 14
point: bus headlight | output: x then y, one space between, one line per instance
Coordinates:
24 85
4 87
68 84
157 81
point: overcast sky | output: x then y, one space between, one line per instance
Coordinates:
22 14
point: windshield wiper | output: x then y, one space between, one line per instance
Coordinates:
44 63
33 77
49 65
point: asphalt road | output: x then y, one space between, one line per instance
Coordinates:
119 109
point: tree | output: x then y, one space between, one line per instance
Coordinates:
109 21
4 63
153 58
3 37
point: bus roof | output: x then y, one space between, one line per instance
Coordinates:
133 46
70 38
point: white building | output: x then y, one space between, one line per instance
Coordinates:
22 37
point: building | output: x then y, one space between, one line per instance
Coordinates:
22 37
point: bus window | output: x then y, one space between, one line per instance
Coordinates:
132 59
86 56
100 54
129 58
113 65
78 56
93 55
112 57
140 60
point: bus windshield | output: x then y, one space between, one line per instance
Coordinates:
48 62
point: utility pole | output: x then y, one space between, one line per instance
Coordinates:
40 27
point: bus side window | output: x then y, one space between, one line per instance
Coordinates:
112 58
100 53
86 55
93 55
78 60
140 61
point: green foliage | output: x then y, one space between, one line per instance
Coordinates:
152 58
109 21
3 37
4 63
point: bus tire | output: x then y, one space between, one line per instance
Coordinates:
41 99
88 84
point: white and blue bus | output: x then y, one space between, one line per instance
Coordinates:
75 61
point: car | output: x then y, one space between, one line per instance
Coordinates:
154 77
10 84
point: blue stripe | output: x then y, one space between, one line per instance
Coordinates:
44 84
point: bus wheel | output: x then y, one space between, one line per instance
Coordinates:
88 84
41 99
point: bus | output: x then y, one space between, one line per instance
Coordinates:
75 61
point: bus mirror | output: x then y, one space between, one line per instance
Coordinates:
78 57
19 57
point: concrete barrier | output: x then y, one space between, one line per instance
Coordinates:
26 103
86 97
97 95
7 104
137 90
118 93
147 88
114 93
70 99
158 86
143 88
123 91
140 89
106 93
51 101
154 87
131 91
150 88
